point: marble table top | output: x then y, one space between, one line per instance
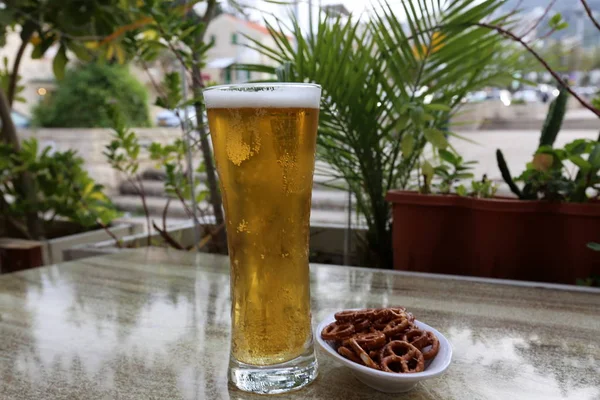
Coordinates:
154 324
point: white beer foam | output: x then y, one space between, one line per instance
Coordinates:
278 96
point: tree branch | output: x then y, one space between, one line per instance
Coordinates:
211 177
541 61
9 131
14 76
155 84
536 24
103 226
590 14
168 238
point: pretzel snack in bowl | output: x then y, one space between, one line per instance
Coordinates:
384 339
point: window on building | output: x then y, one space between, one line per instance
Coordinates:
234 38
213 39
249 75
227 75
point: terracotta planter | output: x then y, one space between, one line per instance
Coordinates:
495 238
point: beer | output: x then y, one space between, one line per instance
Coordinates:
264 143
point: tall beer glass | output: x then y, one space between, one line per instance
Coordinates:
264 139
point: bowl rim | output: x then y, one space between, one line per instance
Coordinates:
429 373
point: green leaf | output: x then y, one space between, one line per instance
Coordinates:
427 169
407 146
40 49
448 156
578 146
585 165
594 246
594 158
438 107
556 18
60 62
557 23
461 191
436 137
466 175
82 52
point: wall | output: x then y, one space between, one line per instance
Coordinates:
90 143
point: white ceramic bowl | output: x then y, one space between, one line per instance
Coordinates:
385 381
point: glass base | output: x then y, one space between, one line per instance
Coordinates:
273 379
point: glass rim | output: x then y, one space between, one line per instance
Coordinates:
242 86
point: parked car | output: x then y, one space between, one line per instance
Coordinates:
170 118
20 120
475 97
526 96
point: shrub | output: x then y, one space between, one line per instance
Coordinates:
63 189
84 96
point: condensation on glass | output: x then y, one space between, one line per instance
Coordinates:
264 140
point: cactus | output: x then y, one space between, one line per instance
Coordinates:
506 174
552 125
554 119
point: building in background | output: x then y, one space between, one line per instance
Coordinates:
228 34
227 31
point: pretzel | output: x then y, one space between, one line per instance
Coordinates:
337 331
364 357
411 357
361 325
349 354
369 341
416 337
345 316
422 339
398 364
396 348
397 312
382 314
395 326
366 313
374 354
381 323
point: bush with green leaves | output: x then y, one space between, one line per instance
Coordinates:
446 177
84 96
567 174
63 189
124 154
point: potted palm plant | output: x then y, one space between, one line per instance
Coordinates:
389 90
